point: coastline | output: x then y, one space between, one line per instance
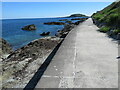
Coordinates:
20 66
18 37
59 45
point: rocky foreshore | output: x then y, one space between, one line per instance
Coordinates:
65 30
68 27
20 66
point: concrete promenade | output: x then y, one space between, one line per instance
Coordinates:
86 59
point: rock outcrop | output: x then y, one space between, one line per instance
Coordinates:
5 48
29 27
21 65
65 30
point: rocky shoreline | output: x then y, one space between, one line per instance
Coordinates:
20 66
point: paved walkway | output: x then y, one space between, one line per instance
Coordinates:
86 59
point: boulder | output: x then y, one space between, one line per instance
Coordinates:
65 30
29 27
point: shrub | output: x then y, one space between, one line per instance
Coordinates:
112 19
98 16
101 19
104 29
116 31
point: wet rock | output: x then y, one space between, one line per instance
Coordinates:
29 27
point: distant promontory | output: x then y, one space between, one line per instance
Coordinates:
78 15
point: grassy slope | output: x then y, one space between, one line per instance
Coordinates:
110 18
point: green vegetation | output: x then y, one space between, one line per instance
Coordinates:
104 29
98 16
109 17
116 31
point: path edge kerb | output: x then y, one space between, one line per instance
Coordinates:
37 76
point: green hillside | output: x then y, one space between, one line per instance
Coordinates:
109 19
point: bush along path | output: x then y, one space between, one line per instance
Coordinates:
108 20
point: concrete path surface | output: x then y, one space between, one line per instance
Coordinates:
86 59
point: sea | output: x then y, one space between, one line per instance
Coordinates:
17 38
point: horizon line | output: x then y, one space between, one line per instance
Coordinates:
41 17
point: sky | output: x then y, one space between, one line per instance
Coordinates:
13 10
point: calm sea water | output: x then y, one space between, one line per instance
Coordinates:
12 33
